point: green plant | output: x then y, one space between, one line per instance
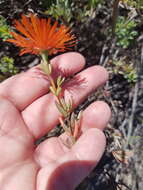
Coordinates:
89 8
125 31
7 67
4 29
94 3
127 70
134 3
68 10
60 9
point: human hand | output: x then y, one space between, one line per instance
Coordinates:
27 111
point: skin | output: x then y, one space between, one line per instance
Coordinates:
27 111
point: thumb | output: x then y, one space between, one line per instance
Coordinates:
75 165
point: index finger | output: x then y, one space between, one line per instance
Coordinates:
24 88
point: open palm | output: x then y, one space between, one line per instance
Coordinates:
28 111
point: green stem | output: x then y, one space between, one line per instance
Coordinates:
45 58
47 69
46 64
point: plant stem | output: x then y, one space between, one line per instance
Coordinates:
114 15
64 108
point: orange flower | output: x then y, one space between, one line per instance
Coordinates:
38 35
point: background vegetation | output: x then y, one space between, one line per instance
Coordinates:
110 33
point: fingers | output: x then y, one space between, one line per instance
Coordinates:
15 141
85 83
24 88
42 115
72 168
92 142
96 115
78 162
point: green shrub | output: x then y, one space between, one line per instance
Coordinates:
127 70
94 3
4 29
125 31
135 3
7 67
68 10
60 9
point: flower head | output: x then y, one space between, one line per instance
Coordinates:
36 35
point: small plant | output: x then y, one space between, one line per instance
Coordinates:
4 29
61 9
89 9
134 3
67 10
127 70
7 67
94 3
125 31
44 38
